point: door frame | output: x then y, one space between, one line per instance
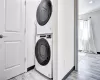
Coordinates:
25 37
76 34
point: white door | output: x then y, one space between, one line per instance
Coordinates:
12 26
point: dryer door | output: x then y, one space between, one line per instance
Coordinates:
44 12
42 52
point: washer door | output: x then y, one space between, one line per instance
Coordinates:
44 12
42 52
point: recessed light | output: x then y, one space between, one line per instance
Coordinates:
91 2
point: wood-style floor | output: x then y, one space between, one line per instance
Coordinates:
89 68
31 75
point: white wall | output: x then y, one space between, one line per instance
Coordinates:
95 18
31 7
65 37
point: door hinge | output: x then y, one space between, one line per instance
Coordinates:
25 30
25 59
25 2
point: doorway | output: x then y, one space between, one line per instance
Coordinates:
89 18
86 28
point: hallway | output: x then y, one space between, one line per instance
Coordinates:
89 68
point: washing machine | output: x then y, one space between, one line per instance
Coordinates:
44 17
43 55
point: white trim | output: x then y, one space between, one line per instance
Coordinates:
76 34
25 39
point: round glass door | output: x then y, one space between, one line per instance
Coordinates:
42 52
44 12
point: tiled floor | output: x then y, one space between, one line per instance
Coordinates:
31 75
89 68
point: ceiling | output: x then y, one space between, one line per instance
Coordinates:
86 6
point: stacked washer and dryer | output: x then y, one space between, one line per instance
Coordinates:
44 35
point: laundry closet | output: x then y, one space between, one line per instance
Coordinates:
26 37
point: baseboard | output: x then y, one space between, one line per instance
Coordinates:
98 52
30 68
65 77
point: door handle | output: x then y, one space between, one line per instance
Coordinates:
1 36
